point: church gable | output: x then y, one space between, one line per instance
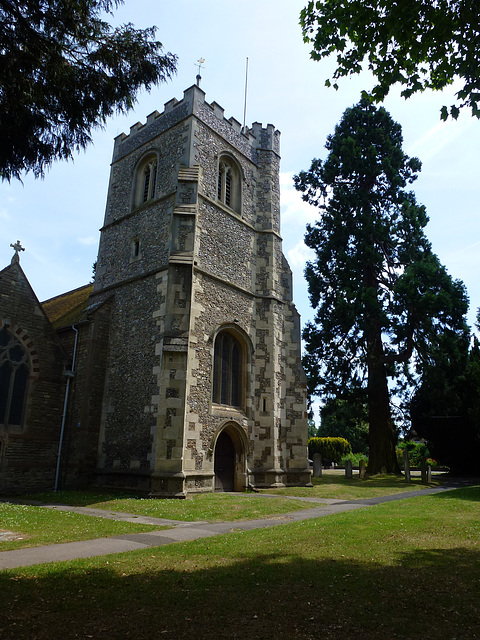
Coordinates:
32 386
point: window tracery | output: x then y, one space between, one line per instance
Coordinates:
146 180
14 374
228 370
229 184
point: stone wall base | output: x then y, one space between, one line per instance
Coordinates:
272 479
125 480
179 485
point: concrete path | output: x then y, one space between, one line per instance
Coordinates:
183 531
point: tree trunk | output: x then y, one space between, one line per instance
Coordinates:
382 457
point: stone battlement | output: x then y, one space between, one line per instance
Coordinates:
194 103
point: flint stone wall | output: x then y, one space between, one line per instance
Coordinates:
130 402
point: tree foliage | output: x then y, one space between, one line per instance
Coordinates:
420 44
445 408
381 296
63 72
346 418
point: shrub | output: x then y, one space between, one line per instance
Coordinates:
329 448
355 458
416 452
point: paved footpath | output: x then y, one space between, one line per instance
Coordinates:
183 531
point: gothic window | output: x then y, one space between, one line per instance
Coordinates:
146 180
229 184
14 373
228 370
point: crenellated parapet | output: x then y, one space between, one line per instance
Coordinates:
246 140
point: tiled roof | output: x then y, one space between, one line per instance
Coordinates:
67 308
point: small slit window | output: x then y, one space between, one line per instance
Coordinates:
229 184
14 374
135 249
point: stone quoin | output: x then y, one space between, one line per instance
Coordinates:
185 354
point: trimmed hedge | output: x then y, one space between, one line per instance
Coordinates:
330 448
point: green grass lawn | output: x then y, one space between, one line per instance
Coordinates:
405 569
334 485
29 526
214 507
34 526
220 507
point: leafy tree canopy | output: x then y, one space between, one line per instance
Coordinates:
63 72
420 44
381 296
445 408
345 418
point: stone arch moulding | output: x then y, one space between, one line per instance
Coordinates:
243 374
28 345
145 183
230 179
237 331
21 370
229 156
240 443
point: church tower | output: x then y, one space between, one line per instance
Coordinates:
204 388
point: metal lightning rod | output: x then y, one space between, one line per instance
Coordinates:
245 104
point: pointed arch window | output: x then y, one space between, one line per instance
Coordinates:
228 370
229 184
14 374
146 181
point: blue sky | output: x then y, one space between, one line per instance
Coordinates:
57 219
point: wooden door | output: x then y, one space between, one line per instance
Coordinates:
224 465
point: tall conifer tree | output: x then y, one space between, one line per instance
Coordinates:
381 296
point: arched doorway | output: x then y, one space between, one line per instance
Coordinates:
224 463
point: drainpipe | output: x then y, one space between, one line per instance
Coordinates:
70 375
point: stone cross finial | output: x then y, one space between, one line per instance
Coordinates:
17 247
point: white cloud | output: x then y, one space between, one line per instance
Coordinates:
464 250
4 215
89 240
294 209
439 136
298 255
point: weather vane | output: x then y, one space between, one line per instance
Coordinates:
17 247
199 62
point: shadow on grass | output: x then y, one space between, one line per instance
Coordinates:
430 594
386 482
83 498
465 493
333 479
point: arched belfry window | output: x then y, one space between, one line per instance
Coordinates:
146 180
228 370
229 183
14 373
